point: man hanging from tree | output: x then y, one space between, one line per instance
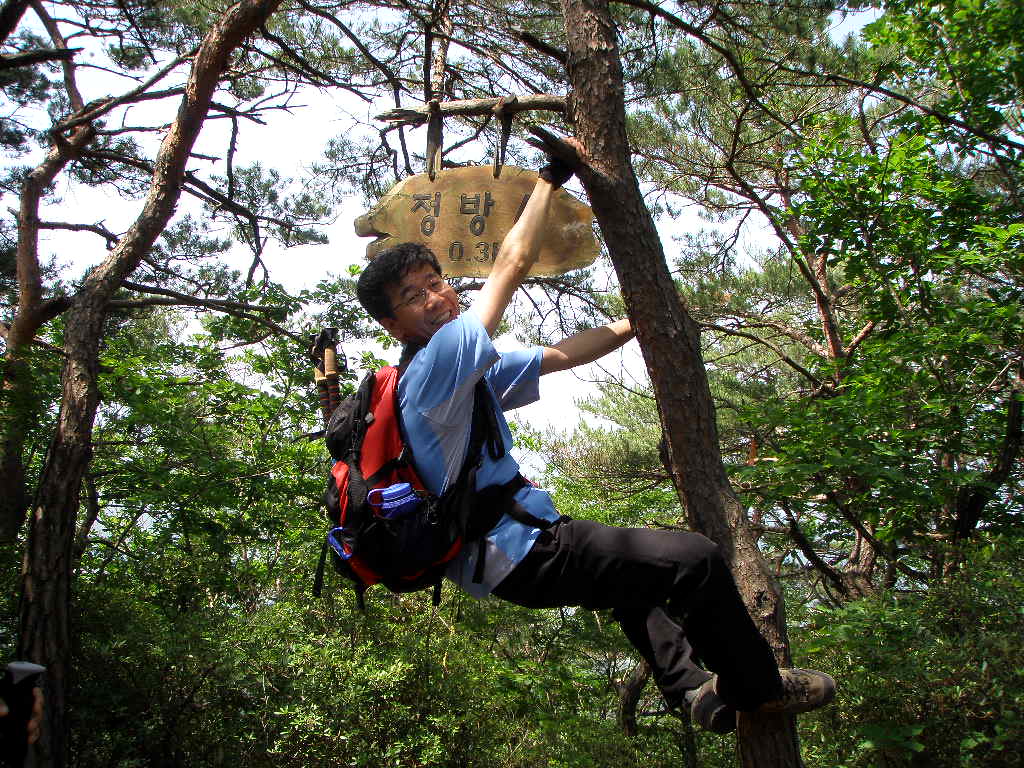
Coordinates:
671 591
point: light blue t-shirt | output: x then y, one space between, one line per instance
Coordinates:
435 395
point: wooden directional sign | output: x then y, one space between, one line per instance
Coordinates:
464 214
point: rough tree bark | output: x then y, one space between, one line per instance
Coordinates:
670 342
47 568
629 689
33 311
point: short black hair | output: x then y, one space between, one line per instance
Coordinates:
387 268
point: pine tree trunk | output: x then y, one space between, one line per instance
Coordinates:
670 342
18 408
47 570
21 399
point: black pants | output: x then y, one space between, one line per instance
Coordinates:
671 592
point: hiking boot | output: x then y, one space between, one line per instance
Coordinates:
802 691
709 710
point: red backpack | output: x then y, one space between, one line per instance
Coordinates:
408 550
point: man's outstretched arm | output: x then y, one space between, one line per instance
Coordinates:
518 253
586 346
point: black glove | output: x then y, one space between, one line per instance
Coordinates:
556 172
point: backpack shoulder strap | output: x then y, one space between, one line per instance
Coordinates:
486 421
383 439
483 430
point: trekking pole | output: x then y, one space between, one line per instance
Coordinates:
324 354
316 355
331 369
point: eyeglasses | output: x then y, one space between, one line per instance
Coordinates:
418 299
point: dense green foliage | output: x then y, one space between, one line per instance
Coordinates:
929 679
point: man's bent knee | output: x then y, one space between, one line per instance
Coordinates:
698 548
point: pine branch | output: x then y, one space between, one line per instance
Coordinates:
167 297
875 88
539 45
473 107
783 357
92 111
730 58
37 57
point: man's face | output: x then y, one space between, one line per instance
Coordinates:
421 302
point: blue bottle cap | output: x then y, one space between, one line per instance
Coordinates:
396 493
392 497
